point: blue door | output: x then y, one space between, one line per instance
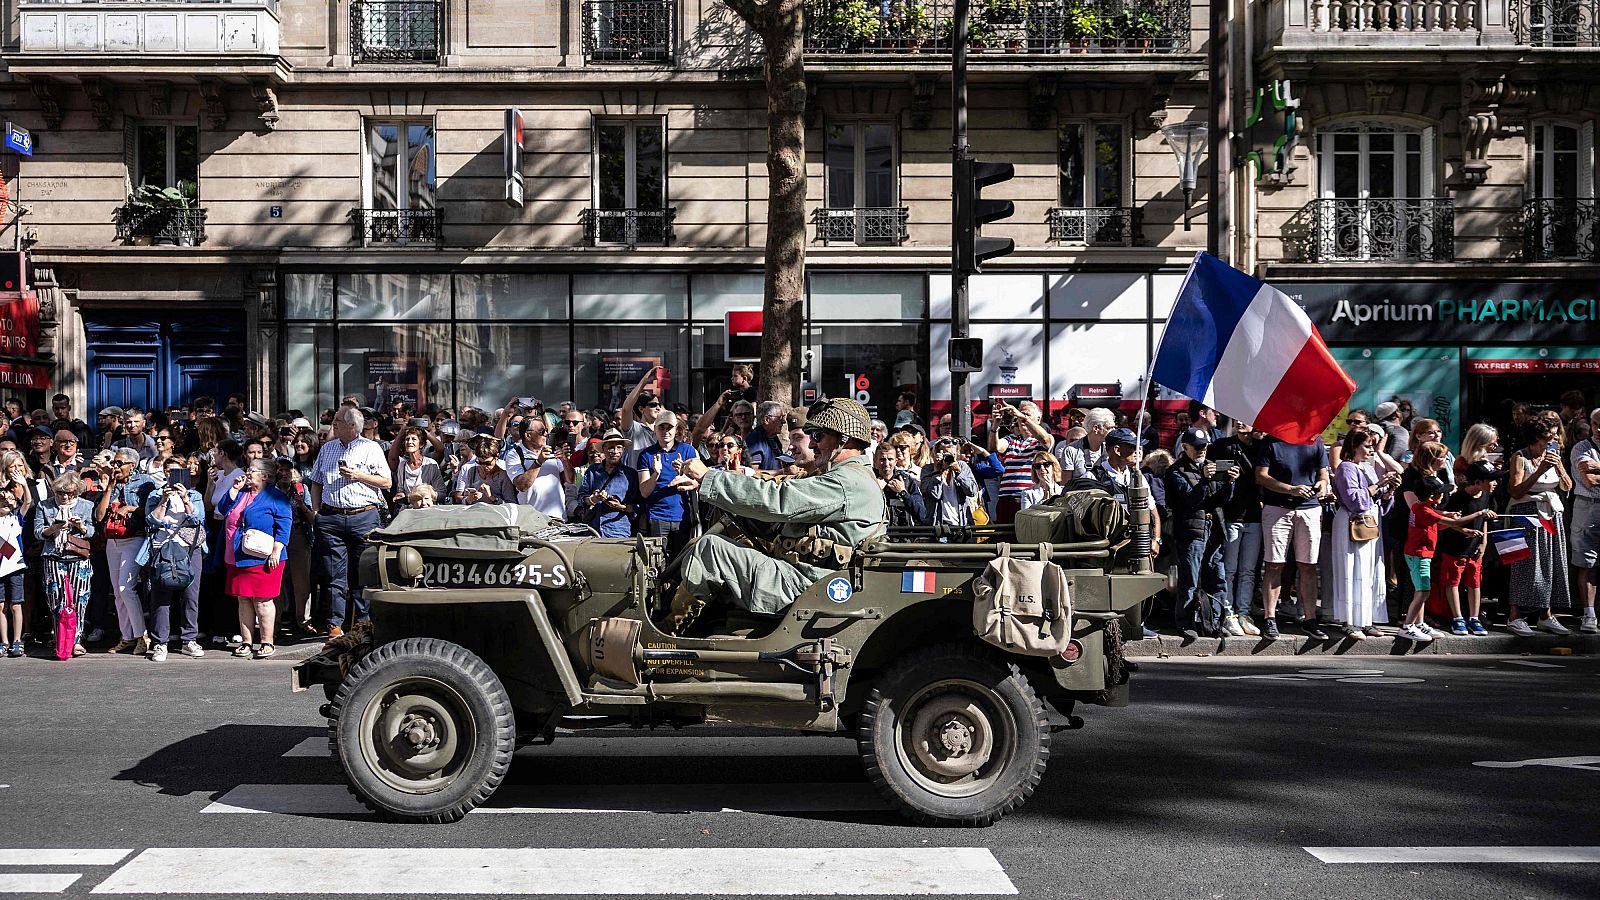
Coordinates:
139 362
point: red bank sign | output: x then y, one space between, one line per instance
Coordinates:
741 335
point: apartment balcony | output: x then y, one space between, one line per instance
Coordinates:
395 31
1396 24
1374 229
628 31
1558 230
863 225
878 28
169 227
1103 226
627 227
397 227
167 42
1556 23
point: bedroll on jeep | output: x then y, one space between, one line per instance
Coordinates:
492 627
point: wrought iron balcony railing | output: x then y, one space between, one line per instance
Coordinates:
861 225
628 30
1558 229
1556 23
398 226
387 31
180 227
1096 226
628 227
1375 229
999 26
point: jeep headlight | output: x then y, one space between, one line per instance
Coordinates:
409 563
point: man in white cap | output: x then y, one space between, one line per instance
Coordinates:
1388 415
666 508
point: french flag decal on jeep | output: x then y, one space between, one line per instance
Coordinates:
916 581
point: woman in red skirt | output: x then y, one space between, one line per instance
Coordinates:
257 518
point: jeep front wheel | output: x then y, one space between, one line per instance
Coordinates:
953 736
423 730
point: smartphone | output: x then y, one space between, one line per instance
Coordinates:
1226 467
179 477
526 402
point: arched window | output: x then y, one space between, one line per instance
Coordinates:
1376 194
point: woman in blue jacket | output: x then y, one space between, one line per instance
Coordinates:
254 513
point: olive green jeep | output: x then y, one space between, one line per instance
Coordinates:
493 628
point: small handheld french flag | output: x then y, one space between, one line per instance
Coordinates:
1535 522
1511 544
917 581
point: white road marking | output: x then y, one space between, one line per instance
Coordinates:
37 883
595 746
1456 854
1532 665
1586 763
336 800
59 857
629 871
1348 676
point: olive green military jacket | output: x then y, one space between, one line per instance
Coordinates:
844 503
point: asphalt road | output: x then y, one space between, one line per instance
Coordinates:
1212 785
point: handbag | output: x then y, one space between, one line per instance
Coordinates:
67 620
1363 528
256 544
76 546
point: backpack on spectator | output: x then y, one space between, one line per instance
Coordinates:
169 567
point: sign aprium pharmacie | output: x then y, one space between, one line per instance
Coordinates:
1449 312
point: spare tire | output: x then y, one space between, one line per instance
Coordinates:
423 730
954 735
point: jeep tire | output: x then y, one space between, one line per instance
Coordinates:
954 735
423 730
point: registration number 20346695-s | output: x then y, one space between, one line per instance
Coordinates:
492 574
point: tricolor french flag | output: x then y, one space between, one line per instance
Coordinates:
1535 522
917 581
1243 348
1511 545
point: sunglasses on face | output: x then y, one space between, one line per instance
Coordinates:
573 421
729 446
163 437
652 406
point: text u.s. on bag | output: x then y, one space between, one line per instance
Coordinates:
1022 605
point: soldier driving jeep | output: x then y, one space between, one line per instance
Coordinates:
825 517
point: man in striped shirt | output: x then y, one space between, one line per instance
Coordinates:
1023 436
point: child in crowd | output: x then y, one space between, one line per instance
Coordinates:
1422 538
12 576
1459 565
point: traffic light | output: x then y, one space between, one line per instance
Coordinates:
973 212
12 271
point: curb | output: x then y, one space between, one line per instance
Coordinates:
1168 645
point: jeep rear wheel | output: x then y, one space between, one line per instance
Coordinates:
423 730
953 736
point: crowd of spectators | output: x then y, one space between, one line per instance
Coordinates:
199 527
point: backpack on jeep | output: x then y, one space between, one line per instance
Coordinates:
1022 605
1085 511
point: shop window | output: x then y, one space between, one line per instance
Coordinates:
610 359
308 368
498 362
499 295
394 295
837 295
381 362
166 155
630 295
307 296
630 186
715 294
872 364
1559 211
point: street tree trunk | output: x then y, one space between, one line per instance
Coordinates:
781 26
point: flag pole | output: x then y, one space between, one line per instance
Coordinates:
1150 372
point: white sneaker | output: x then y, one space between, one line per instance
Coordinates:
192 648
1248 626
1589 625
1415 633
1553 625
1233 626
158 653
1519 627
1432 631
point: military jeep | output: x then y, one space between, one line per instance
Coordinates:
492 628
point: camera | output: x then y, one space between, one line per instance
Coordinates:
730 395
947 459
420 422
527 402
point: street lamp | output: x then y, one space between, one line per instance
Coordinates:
1187 140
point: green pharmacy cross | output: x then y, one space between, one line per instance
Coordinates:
1270 128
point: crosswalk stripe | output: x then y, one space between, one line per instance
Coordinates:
335 799
653 746
1339 855
631 871
37 882
62 857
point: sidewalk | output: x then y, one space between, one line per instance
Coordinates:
1292 644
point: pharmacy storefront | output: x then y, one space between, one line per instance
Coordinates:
1461 352
480 338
